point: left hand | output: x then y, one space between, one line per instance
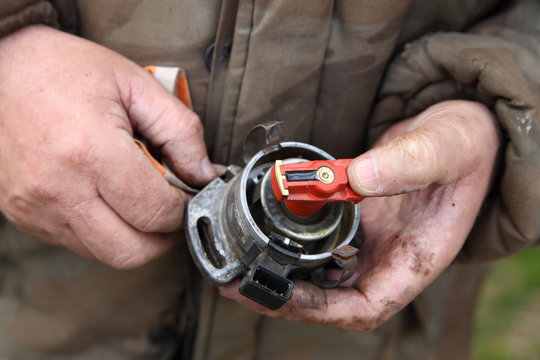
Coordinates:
70 172
425 180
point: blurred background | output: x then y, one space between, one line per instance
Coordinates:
508 317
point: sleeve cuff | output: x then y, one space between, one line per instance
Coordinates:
502 75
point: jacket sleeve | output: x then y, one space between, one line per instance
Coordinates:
15 14
496 63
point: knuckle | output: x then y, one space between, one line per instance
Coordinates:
74 151
17 210
175 122
36 190
28 217
192 124
40 189
461 135
417 153
18 203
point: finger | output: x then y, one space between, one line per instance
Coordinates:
165 122
137 191
438 150
221 170
111 240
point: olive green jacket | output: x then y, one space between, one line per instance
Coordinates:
338 73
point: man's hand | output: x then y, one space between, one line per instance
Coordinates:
441 162
70 172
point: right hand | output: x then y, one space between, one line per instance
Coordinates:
70 172
425 182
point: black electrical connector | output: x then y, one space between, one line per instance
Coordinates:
266 286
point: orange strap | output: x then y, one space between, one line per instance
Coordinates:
173 79
154 162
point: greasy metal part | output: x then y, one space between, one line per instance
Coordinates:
236 227
213 253
262 135
346 260
323 224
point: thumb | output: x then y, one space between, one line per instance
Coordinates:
166 122
435 153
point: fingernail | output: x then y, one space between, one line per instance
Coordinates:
207 168
367 175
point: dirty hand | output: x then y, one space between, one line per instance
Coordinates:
441 163
70 172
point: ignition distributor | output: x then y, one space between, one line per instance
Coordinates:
289 214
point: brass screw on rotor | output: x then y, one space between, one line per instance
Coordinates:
325 175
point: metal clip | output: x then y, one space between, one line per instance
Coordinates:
345 257
261 136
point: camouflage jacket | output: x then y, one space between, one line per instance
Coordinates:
338 73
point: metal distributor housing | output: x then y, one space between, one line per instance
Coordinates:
235 227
